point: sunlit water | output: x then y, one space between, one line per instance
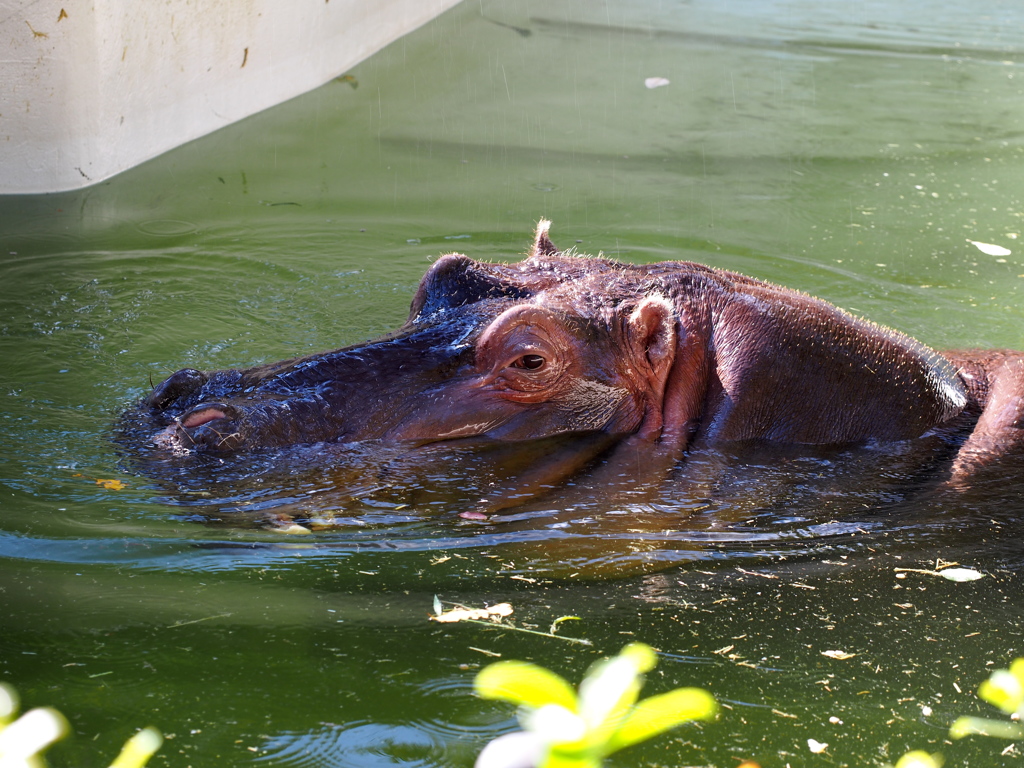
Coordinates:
847 150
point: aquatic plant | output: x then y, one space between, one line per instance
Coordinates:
566 729
23 740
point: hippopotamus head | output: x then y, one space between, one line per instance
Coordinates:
555 345
658 355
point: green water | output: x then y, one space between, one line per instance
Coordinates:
848 150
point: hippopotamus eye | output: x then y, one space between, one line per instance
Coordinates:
529 362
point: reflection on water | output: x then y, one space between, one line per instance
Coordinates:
847 150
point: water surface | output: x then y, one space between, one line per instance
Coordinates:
848 150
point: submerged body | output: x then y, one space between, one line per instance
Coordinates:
636 364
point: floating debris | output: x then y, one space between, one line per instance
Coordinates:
461 613
841 655
656 82
493 616
961 574
952 574
816 747
990 249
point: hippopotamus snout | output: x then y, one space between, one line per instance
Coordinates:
206 426
220 412
193 421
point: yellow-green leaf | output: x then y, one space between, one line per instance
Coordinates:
979 726
30 734
659 713
8 704
642 656
138 749
1002 689
1017 670
919 759
612 686
607 693
525 684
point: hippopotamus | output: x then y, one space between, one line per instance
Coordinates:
635 365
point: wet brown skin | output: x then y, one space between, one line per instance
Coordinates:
652 360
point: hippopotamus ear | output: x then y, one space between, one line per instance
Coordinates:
651 331
455 281
652 339
542 246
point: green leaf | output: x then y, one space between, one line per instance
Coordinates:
525 684
659 713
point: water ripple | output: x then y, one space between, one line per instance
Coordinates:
363 744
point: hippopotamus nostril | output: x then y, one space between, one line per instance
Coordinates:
176 386
211 427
